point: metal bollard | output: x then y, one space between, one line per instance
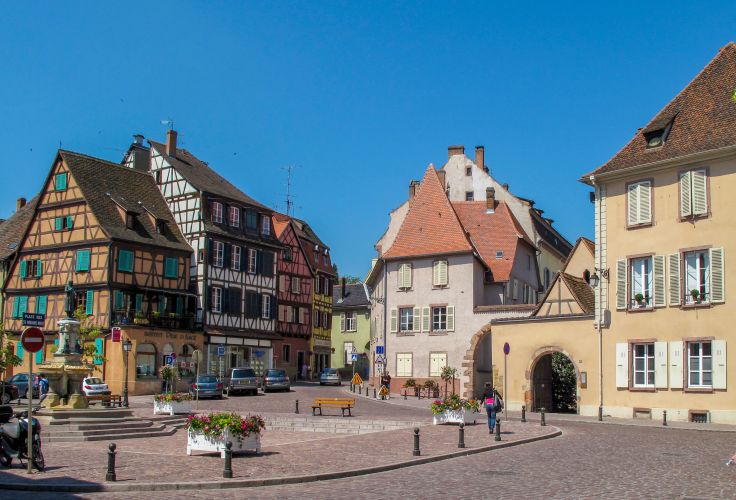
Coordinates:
461 436
110 476
374 393
543 422
297 407
600 414
416 452
405 394
366 390
664 417
523 413
498 431
227 473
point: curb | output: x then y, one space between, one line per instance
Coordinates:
253 483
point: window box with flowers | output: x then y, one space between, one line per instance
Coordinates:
172 403
455 410
211 432
431 388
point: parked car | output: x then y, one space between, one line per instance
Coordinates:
94 386
20 380
243 380
330 376
208 387
8 392
276 380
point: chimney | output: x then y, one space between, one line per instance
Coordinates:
171 142
490 200
20 204
342 284
480 158
455 150
442 175
413 185
505 185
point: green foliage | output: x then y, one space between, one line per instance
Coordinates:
351 279
410 382
88 332
431 384
448 373
564 382
214 425
7 353
169 374
176 397
454 403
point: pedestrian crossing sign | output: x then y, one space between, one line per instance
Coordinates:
357 380
383 391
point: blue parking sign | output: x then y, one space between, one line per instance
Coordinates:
220 350
380 349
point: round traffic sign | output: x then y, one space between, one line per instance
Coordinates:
32 339
506 348
196 356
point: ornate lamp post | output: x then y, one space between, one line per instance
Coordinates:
127 346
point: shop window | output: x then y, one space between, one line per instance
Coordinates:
145 361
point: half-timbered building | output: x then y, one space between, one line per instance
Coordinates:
235 254
106 229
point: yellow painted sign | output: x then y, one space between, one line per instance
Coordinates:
383 391
357 380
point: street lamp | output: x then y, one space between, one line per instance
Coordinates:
127 346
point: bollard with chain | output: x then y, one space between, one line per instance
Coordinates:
498 431
664 417
543 422
297 407
416 452
523 413
227 472
110 476
461 436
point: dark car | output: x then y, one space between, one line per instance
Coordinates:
207 386
276 380
243 380
20 380
8 392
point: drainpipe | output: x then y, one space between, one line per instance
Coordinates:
600 300
385 305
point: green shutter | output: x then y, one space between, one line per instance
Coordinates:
83 258
69 221
39 269
125 261
98 351
23 307
60 182
119 300
20 350
59 224
171 267
180 305
90 302
23 267
39 356
41 304
16 306
138 302
161 304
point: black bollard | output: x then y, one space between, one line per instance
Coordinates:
227 473
664 417
461 436
600 414
416 452
543 422
297 407
366 390
405 391
111 463
523 413
374 393
498 431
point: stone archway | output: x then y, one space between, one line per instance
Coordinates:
552 379
477 367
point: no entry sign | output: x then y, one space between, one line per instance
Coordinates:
32 339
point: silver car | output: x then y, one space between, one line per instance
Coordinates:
276 380
330 376
243 380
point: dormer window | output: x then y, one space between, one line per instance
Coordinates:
160 226
468 196
469 171
217 212
234 216
499 254
130 220
251 219
265 225
656 138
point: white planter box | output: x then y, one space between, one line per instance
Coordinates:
204 443
455 417
172 407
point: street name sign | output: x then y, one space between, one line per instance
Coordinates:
34 319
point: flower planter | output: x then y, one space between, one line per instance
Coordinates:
200 442
455 417
172 407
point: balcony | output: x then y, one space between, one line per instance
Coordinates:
156 320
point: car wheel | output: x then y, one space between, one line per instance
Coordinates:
5 399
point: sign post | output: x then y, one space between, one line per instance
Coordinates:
506 351
32 340
197 358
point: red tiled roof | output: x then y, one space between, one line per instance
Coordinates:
490 233
703 118
280 221
431 226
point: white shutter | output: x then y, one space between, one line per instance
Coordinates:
719 364
436 273
621 278
622 364
401 276
660 365
700 195
685 201
645 203
633 202
450 318
676 364
674 279
394 320
660 295
425 319
443 272
342 322
717 292
417 318
408 276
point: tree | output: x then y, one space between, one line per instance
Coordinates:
88 332
7 356
334 269
448 373
564 381
351 279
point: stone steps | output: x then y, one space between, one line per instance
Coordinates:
165 431
98 426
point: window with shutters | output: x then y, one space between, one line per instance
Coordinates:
265 225
63 223
218 253
235 258
287 254
439 273
699 364
641 282
350 322
643 364
31 268
437 361
125 261
348 353
697 277
694 194
296 284
252 260
60 181
439 319
468 196
171 267
216 299
404 362
80 299
217 212
406 319
251 219
405 276
639 203
234 216
266 307
82 261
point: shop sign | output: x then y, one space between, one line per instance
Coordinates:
116 333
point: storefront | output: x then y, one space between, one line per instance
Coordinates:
223 353
322 348
290 354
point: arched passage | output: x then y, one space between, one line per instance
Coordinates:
553 382
477 365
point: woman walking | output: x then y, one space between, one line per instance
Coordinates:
492 401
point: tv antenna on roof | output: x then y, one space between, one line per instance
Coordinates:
168 122
289 197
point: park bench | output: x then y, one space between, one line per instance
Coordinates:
342 403
107 399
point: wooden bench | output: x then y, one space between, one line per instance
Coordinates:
107 399
342 403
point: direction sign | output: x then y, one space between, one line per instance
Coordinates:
116 333
220 350
380 349
34 319
357 380
32 339
354 356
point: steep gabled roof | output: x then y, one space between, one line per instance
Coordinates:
701 117
13 229
200 175
492 232
431 226
356 295
107 186
308 239
582 292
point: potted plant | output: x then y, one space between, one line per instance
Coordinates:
211 432
695 294
172 403
639 300
140 318
448 374
410 387
433 388
169 374
454 409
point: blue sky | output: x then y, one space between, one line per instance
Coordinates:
359 96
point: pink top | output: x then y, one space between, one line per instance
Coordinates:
489 401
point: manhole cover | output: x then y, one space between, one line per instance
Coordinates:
498 472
